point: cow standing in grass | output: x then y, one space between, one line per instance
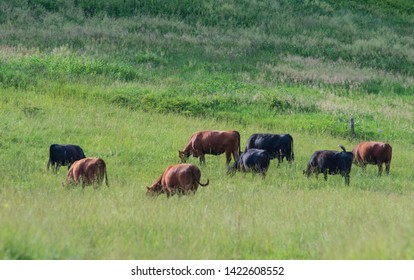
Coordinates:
252 160
372 152
63 155
330 162
178 179
87 171
212 142
277 145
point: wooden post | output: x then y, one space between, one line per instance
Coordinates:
352 124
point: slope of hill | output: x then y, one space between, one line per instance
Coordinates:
202 57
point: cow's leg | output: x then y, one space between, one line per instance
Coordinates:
169 192
180 191
364 167
202 159
194 187
228 158
347 179
316 171
56 167
282 155
387 167
236 155
95 181
307 172
289 156
243 170
325 175
379 168
264 173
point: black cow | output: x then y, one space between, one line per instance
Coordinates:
63 155
252 160
278 145
330 162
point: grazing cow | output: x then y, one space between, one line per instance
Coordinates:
330 162
63 155
87 171
373 153
252 160
180 178
278 145
213 142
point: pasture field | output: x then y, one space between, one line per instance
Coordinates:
130 81
284 216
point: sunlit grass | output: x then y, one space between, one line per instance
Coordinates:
285 216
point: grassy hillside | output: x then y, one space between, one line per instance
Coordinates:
197 58
131 80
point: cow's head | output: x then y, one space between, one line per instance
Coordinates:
183 156
231 170
155 189
307 172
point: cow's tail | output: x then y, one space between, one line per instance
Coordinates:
239 142
48 164
106 177
292 154
198 182
102 167
201 184
342 147
389 151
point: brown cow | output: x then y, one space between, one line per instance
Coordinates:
373 153
88 171
180 178
213 142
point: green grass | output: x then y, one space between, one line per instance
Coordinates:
130 81
285 216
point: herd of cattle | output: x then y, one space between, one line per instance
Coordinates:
259 151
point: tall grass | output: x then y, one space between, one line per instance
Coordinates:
237 37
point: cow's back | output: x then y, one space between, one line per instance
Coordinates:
255 156
74 152
87 171
74 173
79 168
216 141
372 152
259 141
256 159
181 177
277 145
319 158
